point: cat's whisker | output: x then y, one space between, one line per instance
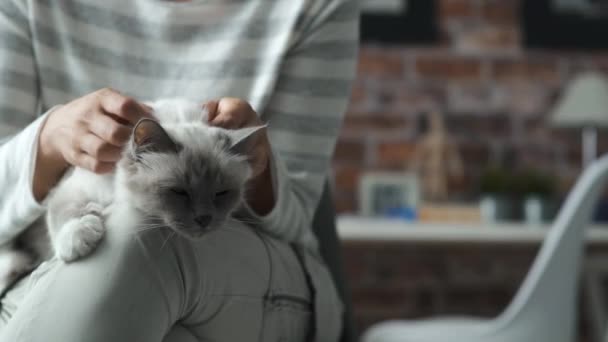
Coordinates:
144 229
252 221
166 240
158 225
151 222
248 221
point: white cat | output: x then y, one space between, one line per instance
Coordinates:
178 173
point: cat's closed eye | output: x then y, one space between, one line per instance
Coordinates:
179 192
221 193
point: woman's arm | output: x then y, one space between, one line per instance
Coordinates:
18 107
304 116
88 132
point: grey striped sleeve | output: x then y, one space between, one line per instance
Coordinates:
305 114
18 101
18 83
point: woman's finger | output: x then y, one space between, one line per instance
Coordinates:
226 120
122 108
99 149
88 162
211 108
109 130
233 113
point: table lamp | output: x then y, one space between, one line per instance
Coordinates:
584 105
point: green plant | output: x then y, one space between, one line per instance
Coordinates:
536 182
500 181
495 180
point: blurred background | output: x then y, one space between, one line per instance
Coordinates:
469 122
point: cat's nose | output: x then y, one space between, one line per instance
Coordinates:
203 220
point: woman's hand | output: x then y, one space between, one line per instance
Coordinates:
88 132
232 113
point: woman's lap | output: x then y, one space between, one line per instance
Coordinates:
231 285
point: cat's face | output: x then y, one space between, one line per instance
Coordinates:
189 178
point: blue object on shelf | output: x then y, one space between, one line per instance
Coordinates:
404 213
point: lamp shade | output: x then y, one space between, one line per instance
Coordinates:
584 103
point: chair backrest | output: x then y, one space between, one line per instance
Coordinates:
548 296
324 227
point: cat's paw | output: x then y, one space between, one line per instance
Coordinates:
79 237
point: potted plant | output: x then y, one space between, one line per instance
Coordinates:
497 195
537 189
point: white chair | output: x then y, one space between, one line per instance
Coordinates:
545 307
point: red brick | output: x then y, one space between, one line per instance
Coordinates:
602 143
599 60
449 9
345 204
358 93
574 155
587 63
477 99
346 177
473 152
485 300
467 184
385 96
532 71
395 154
390 98
376 122
537 129
357 261
536 155
564 136
350 151
486 39
382 297
447 69
483 128
380 64
529 99
501 11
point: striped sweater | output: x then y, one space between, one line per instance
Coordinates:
293 60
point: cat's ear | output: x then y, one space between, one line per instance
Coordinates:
149 136
242 139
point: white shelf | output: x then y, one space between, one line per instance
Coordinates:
355 228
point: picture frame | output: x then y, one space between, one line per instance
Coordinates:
380 192
596 293
545 25
399 21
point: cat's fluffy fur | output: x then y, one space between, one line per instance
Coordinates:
183 175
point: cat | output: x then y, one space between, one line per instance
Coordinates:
177 172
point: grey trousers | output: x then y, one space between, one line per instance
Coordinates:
232 285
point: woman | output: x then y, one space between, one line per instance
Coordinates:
85 65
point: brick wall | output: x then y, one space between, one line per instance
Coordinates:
496 95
